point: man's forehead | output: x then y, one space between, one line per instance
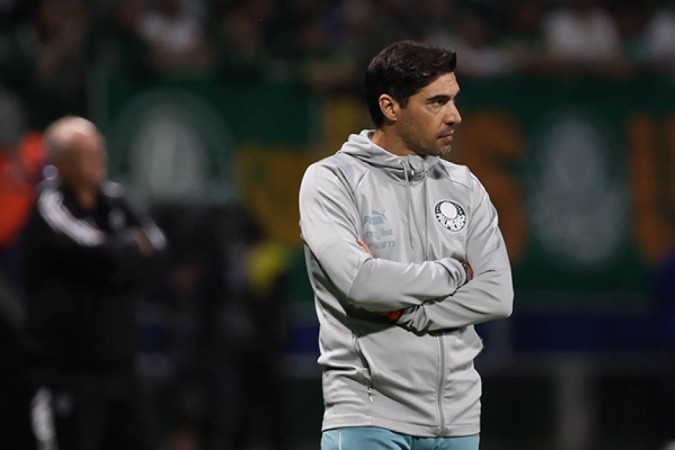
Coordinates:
445 84
77 131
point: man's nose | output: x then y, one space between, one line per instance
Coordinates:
452 115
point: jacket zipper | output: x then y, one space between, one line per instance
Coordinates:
368 381
409 173
441 379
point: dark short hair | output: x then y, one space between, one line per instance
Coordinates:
402 69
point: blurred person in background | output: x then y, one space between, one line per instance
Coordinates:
660 37
310 44
20 171
119 39
55 45
631 23
88 253
176 36
584 36
472 40
46 55
394 21
437 18
240 49
523 40
323 63
62 62
405 256
21 163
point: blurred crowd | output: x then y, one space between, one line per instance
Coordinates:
49 48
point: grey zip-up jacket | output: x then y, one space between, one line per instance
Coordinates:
419 216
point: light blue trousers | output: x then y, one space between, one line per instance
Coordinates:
372 438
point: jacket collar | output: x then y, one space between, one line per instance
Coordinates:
396 167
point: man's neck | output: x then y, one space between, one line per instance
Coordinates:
390 141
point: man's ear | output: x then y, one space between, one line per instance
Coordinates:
389 107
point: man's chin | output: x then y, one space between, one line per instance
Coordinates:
442 151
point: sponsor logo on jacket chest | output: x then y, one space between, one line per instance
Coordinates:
450 214
375 230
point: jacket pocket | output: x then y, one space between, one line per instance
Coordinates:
364 373
466 345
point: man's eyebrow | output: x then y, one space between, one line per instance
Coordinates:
442 97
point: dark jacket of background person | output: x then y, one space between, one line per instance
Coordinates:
84 270
87 254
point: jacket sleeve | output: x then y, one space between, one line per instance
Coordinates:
138 219
330 226
488 296
78 249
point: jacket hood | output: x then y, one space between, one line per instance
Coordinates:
361 146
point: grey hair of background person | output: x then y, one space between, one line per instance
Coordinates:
57 135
